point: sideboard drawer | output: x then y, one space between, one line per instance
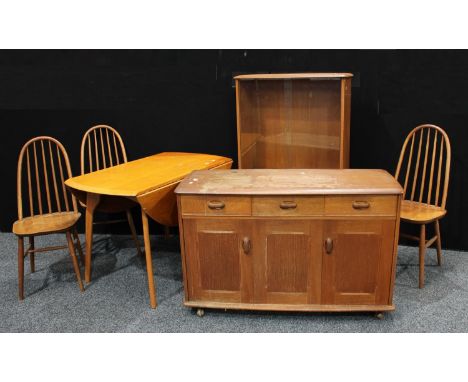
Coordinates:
217 205
381 205
228 205
192 205
287 205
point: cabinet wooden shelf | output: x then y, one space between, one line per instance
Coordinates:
296 120
309 240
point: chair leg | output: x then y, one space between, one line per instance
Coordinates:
71 248
422 252
78 246
133 231
438 242
32 263
20 268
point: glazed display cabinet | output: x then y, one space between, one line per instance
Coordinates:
296 120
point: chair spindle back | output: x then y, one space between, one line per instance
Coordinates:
426 156
101 147
44 162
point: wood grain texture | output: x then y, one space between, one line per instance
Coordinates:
360 205
219 260
149 182
46 223
144 175
429 180
214 259
293 120
290 182
43 164
149 261
395 250
354 271
110 153
288 206
287 262
289 307
280 259
415 212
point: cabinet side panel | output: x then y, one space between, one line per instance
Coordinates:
182 247
396 235
388 263
239 124
248 123
345 122
191 261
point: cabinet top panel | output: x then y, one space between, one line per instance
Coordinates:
292 76
289 182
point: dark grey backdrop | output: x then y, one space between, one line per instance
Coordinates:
184 100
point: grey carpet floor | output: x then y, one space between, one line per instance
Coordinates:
117 299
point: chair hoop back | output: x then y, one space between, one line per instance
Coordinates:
44 162
101 147
426 155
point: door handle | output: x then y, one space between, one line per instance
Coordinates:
216 205
361 205
329 245
288 205
246 245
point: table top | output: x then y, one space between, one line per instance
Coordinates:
289 182
143 175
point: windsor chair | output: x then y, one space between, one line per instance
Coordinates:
50 208
424 198
103 147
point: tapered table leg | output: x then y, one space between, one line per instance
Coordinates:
92 200
149 261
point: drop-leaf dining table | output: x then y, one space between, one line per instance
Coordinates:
148 182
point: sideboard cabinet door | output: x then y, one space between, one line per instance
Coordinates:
357 261
288 261
218 260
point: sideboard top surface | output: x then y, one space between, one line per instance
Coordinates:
289 182
292 76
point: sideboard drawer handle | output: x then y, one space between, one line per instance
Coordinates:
329 245
246 245
360 205
288 205
216 205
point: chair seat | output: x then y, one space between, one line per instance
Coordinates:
415 212
46 223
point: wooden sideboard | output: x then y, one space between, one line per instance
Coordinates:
298 120
307 240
